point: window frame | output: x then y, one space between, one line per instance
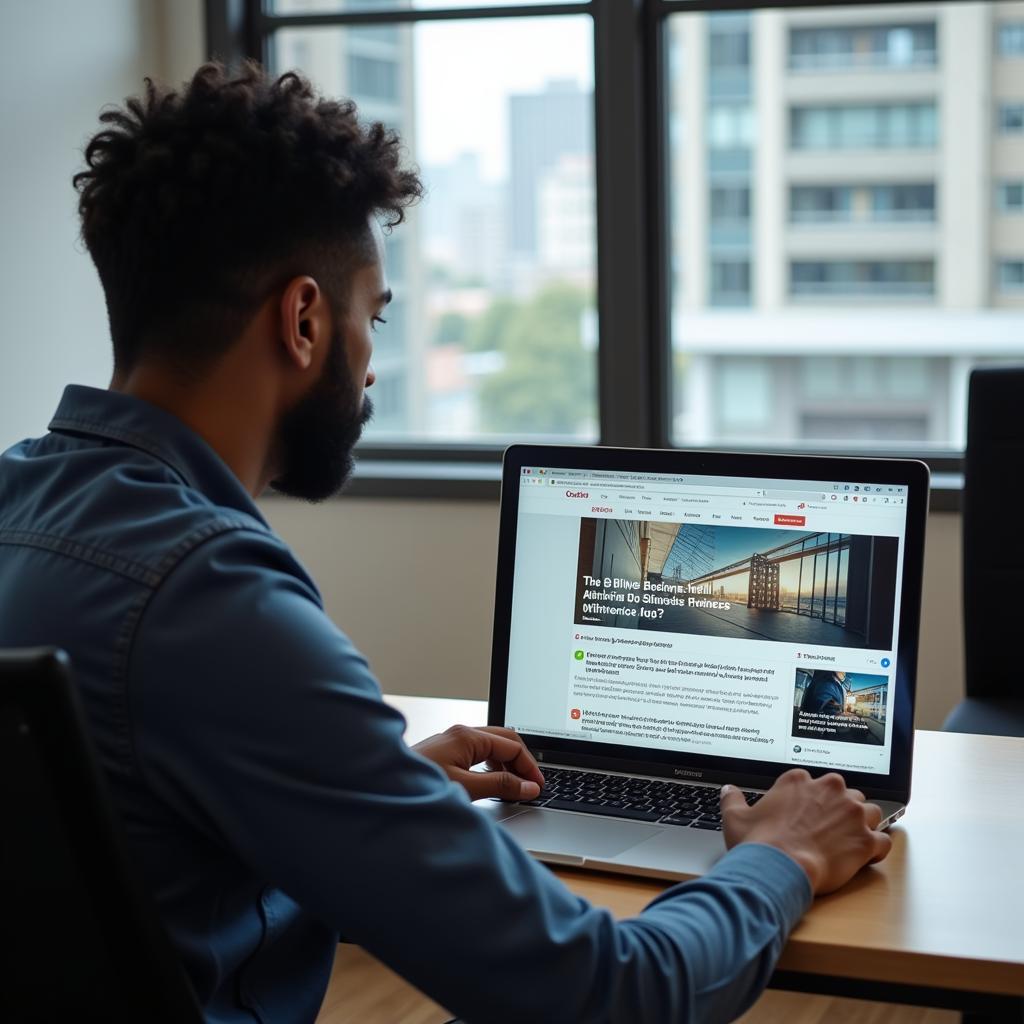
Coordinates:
633 294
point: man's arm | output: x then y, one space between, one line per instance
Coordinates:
252 706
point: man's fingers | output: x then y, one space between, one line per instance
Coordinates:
872 815
732 799
520 761
479 744
504 785
882 845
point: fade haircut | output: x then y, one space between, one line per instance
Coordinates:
196 203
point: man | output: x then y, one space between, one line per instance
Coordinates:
826 694
268 796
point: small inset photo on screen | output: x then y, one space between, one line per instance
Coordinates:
846 707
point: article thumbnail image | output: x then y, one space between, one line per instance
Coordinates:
828 589
848 707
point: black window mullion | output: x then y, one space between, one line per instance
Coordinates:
268 22
625 350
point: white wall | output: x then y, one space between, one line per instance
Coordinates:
412 582
61 61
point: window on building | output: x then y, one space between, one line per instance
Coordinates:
857 126
730 204
1011 275
1010 118
1010 39
820 204
878 278
373 77
730 282
729 48
863 46
903 202
1010 196
731 126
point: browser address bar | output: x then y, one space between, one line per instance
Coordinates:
644 489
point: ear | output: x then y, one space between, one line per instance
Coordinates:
304 320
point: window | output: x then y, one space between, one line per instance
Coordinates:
731 126
730 282
1011 275
1010 196
880 126
1010 39
372 77
491 333
820 203
863 46
730 204
1010 118
902 202
877 278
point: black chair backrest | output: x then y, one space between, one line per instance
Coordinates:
993 543
80 936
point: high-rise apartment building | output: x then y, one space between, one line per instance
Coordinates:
848 218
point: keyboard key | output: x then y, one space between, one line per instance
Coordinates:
710 825
632 813
673 819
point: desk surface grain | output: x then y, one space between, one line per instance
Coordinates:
945 909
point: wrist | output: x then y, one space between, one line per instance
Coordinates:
810 863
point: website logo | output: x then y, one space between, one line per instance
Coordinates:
577 494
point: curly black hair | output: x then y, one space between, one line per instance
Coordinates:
197 203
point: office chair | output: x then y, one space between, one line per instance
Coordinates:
82 939
993 555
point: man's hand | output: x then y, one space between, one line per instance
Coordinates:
514 773
829 830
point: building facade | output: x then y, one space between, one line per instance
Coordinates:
847 200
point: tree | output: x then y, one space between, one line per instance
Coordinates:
547 385
452 329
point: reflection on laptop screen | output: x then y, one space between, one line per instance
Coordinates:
741 618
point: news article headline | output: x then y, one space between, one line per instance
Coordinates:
645 599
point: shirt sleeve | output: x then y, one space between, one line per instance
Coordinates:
258 715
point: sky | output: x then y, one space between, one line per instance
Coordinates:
465 72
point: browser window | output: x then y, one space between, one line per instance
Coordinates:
742 618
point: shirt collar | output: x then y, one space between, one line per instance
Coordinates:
131 421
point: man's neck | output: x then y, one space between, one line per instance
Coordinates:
228 416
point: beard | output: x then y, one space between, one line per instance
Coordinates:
316 437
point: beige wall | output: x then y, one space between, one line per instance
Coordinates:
412 582
61 62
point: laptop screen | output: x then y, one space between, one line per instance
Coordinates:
736 617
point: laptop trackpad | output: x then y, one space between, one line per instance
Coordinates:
576 834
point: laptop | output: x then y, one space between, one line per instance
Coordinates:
670 621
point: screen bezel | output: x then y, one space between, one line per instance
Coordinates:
706 767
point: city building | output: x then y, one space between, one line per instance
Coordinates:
543 127
848 219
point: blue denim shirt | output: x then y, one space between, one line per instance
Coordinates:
269 798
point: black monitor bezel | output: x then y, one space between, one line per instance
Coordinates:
759 774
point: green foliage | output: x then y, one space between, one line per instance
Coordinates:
488 329
452 329
547 385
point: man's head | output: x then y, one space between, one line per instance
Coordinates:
239 194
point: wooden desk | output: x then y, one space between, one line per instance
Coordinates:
939 923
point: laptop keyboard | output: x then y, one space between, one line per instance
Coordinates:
623 796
